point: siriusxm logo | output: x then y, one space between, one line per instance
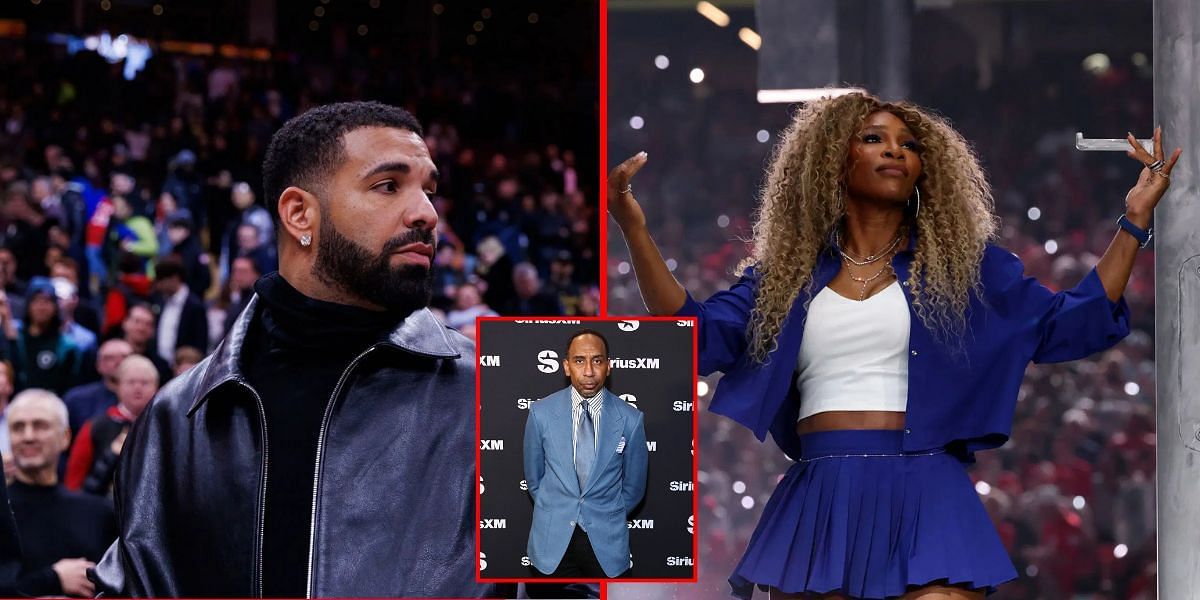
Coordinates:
491 444
651 446
489 360
630 398
682 406
679 561
525 403
481 484
628 325
683 323
524 486
691 523
634 363
682 486
492 523
547 361
525 562
641 524
549 321
482 561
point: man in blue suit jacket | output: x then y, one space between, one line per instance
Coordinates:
585 464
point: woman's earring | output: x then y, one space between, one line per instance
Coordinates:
306 240
917 212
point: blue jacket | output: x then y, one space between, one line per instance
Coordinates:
614 487
962 403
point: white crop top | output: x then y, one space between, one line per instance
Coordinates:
854 355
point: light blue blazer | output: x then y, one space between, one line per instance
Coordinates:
614 487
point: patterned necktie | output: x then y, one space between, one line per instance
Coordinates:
585 445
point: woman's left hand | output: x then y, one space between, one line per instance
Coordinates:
1151 185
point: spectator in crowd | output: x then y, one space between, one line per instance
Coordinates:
14 289
129 234
468 305
235 296
6 392
530 298
94 455
236 243
182 316
138 331
133 286
62 533
68 306
90 399
42 355
180 233
186 357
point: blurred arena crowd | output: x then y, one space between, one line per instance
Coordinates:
132 225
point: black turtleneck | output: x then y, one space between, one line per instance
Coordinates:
294 355
55 524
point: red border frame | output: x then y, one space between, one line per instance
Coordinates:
695 457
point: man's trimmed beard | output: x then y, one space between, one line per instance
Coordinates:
343 263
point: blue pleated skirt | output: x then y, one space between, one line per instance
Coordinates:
858 515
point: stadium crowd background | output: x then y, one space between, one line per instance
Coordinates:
1072 493
127 197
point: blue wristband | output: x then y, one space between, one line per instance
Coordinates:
1143 236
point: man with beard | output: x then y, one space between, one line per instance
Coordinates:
326 447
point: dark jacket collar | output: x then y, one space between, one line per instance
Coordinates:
420 333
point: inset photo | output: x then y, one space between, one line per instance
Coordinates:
587 465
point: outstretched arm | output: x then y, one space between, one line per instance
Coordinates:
1117 263
661 292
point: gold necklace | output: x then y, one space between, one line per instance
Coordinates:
865 281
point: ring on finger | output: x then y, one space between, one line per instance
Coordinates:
628 188
1157 165
1161 174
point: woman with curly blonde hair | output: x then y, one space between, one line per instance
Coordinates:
880 337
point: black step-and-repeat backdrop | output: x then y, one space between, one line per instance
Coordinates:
520 361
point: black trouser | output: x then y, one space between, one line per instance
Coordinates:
579 562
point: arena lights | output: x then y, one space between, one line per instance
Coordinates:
105 5
623 268
982 488
672 264
486 13
478 26
438 8
747 502
762 136
1078 502
1097 64
157 9
739 487
1051 246
719 17
1034 213
362 30
803 94
1031 570
702 388
533 18
750 37
319 11
723 221
1139 59
1132 388
662 62
1120 550
696 75
636 122
374 3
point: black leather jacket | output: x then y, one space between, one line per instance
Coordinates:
394 501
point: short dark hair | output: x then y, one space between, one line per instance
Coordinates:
308 148
567 354
170 266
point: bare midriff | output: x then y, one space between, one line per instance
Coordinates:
850 419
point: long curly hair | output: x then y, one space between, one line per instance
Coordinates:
804 202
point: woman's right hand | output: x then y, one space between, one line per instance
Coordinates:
621 203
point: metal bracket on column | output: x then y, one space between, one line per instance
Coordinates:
1108 144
